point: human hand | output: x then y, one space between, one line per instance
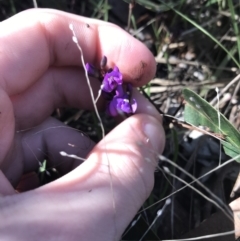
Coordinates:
40 71
235 206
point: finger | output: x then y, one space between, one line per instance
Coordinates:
125 159
62 87
235 206
144 106
34 99
6 127
28 182
5 187
44 39
58 87
45 142
84 197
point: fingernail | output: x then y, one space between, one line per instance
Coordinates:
153 131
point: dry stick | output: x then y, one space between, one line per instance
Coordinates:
159 213
232 97
199 192
131 5
210 200
176 61
213 20
237 78
222 38
135 33
203 237
195 180
189 185
75 40
131 225
199 183
162 158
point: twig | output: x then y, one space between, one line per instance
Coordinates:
177 61
232 97
131 6
237 78
180 189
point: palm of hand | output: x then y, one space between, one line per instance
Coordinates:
40 73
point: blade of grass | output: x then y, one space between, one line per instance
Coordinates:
96 7
224 62
152 6
106 9
13 8
210 2
235 25
204 31
179 7
134 24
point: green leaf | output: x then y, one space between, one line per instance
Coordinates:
199 112
230 150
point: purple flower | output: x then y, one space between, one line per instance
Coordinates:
122 103
92 71
117 94
103 62
112 80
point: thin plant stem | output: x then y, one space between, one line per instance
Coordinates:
75 40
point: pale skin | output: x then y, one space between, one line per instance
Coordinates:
40 71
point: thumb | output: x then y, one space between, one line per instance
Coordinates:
119 173
97 199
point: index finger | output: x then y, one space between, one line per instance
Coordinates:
33 40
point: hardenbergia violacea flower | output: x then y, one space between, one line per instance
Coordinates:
117 93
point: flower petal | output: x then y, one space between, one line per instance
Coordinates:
112 79
112 107
90 69
133 105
